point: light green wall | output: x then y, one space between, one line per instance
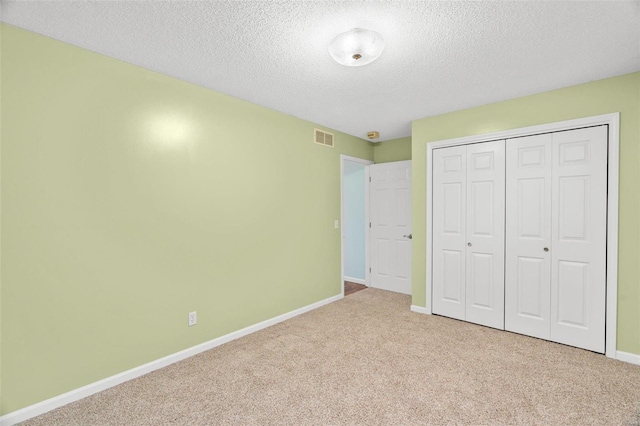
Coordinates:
130 199
392 150
620 94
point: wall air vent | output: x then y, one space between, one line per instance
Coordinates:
323 138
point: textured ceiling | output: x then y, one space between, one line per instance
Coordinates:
440 56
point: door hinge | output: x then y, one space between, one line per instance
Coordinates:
369 225
369 270
369 178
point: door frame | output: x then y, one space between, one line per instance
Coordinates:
613 121
344 158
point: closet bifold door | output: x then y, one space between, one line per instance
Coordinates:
556 233
579 238
484 294
468 233
449 236
528 236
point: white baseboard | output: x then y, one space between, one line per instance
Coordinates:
355 280
92 388
419 309
628 357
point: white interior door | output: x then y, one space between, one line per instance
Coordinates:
449 231
390 202
485 234
578 238
528 236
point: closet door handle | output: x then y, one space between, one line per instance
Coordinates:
469 244
546 249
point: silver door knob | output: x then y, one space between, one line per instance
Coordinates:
546 249
469 244
410 236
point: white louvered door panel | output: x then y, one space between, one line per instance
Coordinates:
579 233
484 294
390 240
528 235
449 233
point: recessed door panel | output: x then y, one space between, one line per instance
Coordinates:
530 288
531 208
481 278
403 258
452 208
452 278
452 162
574 153
573 207
383 206
483 205
572 291
382 254
528 234
403 207
380 176
530 156
482 161
402 174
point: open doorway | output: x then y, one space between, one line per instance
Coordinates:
354 178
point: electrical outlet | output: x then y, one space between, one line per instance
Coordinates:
193 318
336 224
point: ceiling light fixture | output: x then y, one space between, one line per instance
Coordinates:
356 47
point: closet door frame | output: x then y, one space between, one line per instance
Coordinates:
613 122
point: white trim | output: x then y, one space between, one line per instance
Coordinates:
420 310
429 240
613 177
367 219
628 357
367 264
355 280
613 121
344 158
559 126
92 388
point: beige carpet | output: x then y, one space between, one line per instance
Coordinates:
389 367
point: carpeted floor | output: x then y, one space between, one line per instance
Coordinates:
391 367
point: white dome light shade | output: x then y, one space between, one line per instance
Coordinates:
356 47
